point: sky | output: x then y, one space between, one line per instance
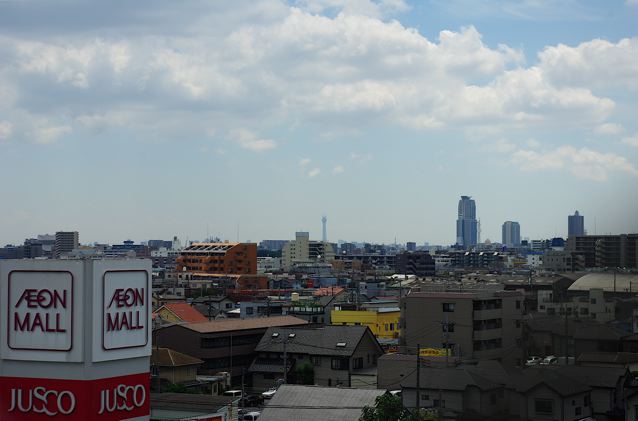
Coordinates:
251 119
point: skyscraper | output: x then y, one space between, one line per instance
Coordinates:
575 225
511 234
466 224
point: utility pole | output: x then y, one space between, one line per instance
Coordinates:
285 361
418 378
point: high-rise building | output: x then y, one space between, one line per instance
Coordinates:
511 234
65 242
303 250
219 258
575 225
466 224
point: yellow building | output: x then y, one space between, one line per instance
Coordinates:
383 322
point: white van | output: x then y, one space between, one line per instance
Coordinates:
233 393
251 416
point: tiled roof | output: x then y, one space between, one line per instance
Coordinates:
326 340
185 312
228 325
167 357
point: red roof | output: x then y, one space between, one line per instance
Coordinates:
185 312
322 292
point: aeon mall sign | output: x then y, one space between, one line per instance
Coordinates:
75 339
124 314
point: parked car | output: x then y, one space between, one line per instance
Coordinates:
550 360
233 393
269 393
251 416
251 401
533 360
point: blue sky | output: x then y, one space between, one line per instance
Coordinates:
152 119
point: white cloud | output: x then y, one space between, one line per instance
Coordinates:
5 130
248 140
361 158
596 64
314 172
609 129
338 169
304 161
45 134
378 8
291 65
583 163
631 140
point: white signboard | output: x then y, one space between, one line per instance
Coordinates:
41 308
122 310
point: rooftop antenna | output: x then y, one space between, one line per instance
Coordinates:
324 221
479 233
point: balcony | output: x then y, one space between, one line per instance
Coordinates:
488 314
480 335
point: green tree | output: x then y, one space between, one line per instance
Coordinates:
305 373
389 407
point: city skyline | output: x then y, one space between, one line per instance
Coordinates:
259 117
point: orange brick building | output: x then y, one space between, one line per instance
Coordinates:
219 258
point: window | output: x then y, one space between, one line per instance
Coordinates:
249 310
425 397
391 326
448 327
448 307
316 361
586 401
518 304
578 410
544 406
592 301
439 403
357 363
339 364
518 323
386 327
269 376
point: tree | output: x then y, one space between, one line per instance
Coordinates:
305 373
389 407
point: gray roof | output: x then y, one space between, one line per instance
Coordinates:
598 377
317 341
578 329
608 357
457 378
189 402
312 403
536 376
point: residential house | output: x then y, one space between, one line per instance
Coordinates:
337 354
170 366
225 345
179 312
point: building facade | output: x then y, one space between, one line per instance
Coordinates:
575 225
466 224
479 325
219 258
65 242
511 234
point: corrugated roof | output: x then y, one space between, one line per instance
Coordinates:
227 325
184 312
189 402
312 403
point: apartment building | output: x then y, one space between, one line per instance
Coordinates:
606 250
594 306
481 325
219 258
65 242
303 250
